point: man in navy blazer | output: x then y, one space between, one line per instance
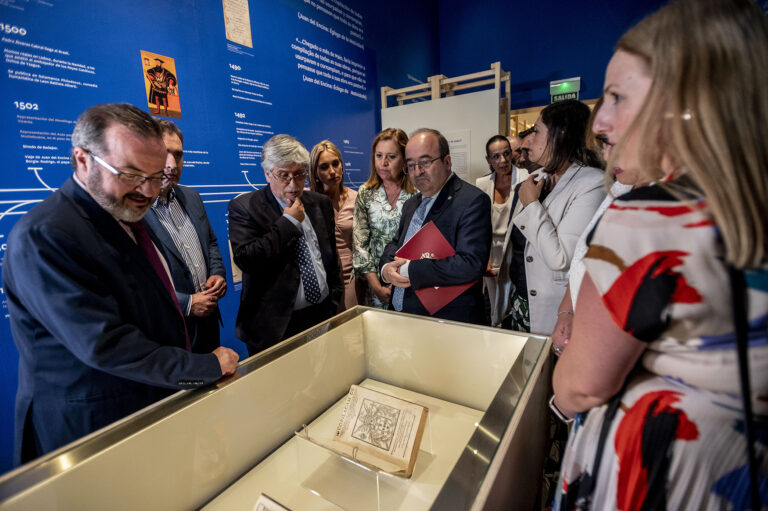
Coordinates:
461 212
283 240
180 226
99 331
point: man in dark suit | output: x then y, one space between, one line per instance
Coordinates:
283 240
461 212
92 309
181 228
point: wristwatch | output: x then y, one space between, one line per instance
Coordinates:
559 414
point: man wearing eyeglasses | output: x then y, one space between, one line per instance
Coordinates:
462 214
180 225
283 240
92 308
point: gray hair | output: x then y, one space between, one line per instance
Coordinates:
94 122
282 151
442 142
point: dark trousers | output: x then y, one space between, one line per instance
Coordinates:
301 320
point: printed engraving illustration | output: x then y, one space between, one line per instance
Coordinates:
375 424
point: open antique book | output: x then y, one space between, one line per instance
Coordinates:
379 431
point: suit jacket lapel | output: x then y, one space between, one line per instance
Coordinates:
318 220
444 199
114 234
272 201
160 236
202 235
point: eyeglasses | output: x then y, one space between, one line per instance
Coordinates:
128 177
497 156
285 178
423 164
325 166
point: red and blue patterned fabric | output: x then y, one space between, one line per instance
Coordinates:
674 437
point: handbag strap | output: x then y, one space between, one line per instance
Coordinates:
741 328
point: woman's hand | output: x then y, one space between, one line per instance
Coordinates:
383 293
562 333
530 190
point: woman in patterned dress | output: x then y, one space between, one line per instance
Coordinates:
378 208
652 356
326 175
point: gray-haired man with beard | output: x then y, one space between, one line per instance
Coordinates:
92 307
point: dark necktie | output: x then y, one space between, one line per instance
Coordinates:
308 274
148 248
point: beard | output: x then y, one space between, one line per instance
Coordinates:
114 205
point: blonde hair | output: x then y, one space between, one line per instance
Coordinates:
705 113
400 139
314 158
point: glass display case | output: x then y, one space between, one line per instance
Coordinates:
222 446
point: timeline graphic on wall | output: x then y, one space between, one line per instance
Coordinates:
231 74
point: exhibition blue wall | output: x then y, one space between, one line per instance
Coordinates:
310 70
314 70
536 41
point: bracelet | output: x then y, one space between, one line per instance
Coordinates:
558 413
565 312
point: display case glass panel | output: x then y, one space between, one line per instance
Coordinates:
221 447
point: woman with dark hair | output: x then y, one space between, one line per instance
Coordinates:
499 185
596 141
551 209
378 208
326 175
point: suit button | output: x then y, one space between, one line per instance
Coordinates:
533 292
529 259
522 227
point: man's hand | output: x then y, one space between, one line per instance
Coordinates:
391 273
203 304
489 271
227 360
216 286
296 210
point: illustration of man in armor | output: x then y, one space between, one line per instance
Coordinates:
162 82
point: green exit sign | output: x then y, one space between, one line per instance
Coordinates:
565 89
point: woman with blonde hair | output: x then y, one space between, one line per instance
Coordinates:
326 175
669 348
378 208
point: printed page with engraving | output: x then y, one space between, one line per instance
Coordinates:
380 430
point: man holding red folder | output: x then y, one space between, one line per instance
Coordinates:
461 213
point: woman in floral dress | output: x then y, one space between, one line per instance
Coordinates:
378 208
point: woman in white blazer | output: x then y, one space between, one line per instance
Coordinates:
502 155
551 209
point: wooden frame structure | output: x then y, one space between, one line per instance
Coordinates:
439 86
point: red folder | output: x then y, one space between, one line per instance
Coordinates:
429 243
